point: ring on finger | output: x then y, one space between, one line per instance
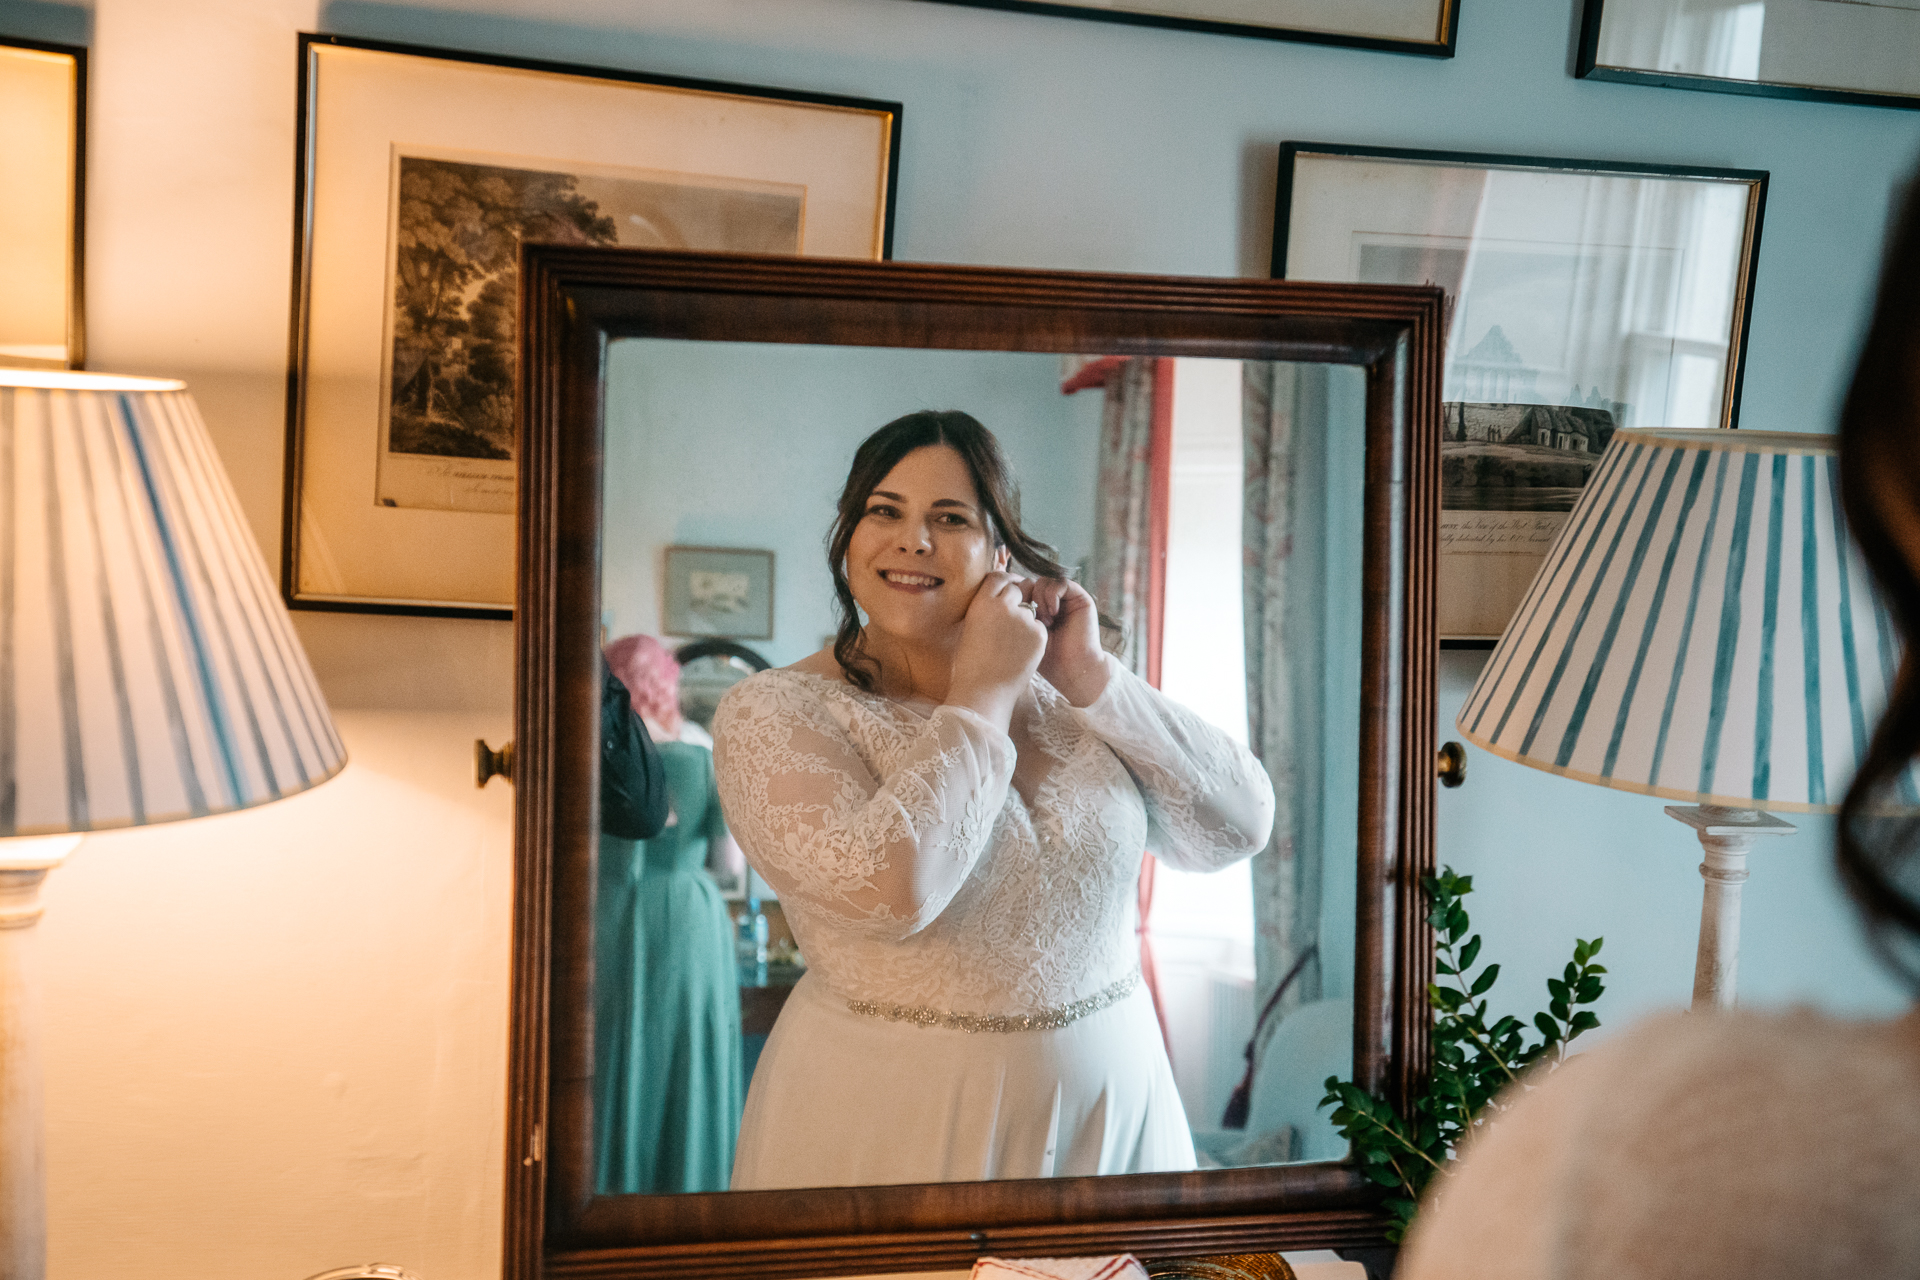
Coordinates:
1030 606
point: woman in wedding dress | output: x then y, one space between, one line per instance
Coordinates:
951 802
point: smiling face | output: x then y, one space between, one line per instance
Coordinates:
921 548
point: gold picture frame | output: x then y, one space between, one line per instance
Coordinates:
43 99
718 593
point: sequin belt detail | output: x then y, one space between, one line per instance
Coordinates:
1044 1020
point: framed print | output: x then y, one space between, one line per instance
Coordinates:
43 96
421 172
1423 27
1582 297
718 591
1865 52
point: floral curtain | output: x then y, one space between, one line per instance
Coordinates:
1129 534
1123 505
1281 402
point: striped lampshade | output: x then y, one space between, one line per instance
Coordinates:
148 671
1702 629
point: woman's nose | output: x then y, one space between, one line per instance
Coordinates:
916 541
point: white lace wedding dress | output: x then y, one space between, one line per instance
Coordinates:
972 1007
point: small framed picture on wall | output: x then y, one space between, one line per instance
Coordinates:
718 591
1582 297
421 173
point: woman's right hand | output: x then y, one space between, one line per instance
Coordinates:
1001 643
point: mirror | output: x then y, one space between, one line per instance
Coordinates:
688 425
708 668
691 431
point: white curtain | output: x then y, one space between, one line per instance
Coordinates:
1283 619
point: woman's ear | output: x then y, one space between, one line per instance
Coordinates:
1000 558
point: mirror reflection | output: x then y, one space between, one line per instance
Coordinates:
1049 659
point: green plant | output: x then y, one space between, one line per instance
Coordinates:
1474 1059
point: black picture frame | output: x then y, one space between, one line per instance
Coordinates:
1587 66
1482 576
75 291
300 428
1440 47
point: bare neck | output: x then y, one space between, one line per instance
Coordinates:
907 671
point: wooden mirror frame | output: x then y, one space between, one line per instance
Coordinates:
574 301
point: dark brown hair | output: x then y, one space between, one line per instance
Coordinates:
878 454
1880 487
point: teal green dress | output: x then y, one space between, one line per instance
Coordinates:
668 1086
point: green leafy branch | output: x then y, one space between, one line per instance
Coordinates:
1473 1059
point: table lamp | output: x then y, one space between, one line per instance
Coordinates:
1702 630
148 673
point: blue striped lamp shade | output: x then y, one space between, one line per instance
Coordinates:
148 671
1702 629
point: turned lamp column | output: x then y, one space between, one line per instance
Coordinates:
1728 836
23 1209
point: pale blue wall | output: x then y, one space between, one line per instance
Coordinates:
701 451
1048 142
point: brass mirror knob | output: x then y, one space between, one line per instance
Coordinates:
487 762
1452 764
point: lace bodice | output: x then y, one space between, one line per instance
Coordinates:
926 859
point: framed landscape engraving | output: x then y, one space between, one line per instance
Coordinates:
1423 27
421 173
43 95
1865 52
1582 297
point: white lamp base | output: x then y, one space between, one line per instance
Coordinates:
23 1186
1727 835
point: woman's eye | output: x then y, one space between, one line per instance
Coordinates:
953 520
881 511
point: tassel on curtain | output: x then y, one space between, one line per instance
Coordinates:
1277 399
1130 541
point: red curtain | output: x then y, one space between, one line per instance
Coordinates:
1159 481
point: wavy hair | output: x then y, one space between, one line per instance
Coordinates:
878 454
1880 489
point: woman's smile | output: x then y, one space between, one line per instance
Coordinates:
901 580
922 548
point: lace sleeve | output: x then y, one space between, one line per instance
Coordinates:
1209 803
881 856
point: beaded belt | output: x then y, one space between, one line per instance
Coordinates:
1044 1020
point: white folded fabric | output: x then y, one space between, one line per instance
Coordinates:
1313 1264
1115 1266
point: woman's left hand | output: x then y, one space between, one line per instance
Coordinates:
1074 662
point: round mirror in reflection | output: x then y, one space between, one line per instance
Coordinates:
708 668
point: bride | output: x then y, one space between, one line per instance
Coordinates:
951 802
